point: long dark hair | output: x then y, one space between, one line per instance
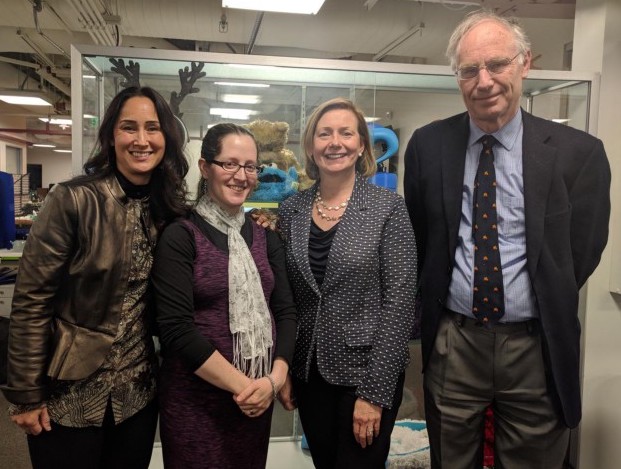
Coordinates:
167 200
212 146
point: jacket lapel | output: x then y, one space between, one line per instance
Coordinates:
453 154
300 231
538 160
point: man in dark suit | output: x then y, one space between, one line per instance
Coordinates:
502 331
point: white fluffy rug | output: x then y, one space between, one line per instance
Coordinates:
409 445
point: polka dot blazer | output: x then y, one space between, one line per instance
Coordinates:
361 317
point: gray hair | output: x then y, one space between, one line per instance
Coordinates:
474 19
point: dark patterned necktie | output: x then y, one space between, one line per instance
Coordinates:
488 303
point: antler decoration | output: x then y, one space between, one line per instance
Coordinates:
187 79
131 72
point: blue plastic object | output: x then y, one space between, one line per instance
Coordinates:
387 180
7 211
379 133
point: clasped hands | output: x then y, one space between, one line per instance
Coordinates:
256 398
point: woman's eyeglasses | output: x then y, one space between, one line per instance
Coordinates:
232 167
493 67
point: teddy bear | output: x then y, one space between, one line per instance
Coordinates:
282 173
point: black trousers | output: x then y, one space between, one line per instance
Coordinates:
127 445
326 412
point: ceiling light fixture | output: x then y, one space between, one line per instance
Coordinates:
62 151
241 98
306 7
239 114
43 145
25 98
247 85
56 120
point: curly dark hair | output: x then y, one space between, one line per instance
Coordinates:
169 200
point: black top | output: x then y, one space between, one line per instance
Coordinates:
319 243
133 191
177 242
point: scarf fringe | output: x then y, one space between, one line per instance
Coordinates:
256 365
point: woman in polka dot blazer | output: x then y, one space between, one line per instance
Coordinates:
351 260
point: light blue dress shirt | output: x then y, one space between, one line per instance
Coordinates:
519 295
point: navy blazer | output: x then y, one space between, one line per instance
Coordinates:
567 207
359 320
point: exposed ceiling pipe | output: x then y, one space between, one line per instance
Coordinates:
83 20
255 32
42 56
89 23
397 42
21 63
36 8
55 14
60 85
43 73
100 22
95 28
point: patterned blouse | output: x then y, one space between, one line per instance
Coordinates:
127 376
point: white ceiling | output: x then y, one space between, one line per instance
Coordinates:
35 36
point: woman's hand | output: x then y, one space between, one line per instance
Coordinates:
265 218
285 396
256 398
367 418
34 421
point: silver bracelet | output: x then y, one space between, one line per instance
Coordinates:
271 380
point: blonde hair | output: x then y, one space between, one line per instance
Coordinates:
365 165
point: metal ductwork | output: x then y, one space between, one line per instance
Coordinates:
255 32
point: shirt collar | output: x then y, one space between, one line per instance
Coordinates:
506 135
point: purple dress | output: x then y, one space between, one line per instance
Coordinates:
200 425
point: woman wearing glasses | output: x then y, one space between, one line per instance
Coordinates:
226 317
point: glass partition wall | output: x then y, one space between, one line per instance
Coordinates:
205 88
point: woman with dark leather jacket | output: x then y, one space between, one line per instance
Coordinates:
81 361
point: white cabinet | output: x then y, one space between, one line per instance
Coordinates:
6 296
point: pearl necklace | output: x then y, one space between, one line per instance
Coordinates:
321 205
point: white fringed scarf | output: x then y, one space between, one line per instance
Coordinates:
249 317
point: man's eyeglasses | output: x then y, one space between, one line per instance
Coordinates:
232 167
493 67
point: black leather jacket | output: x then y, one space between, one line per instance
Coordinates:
70 287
